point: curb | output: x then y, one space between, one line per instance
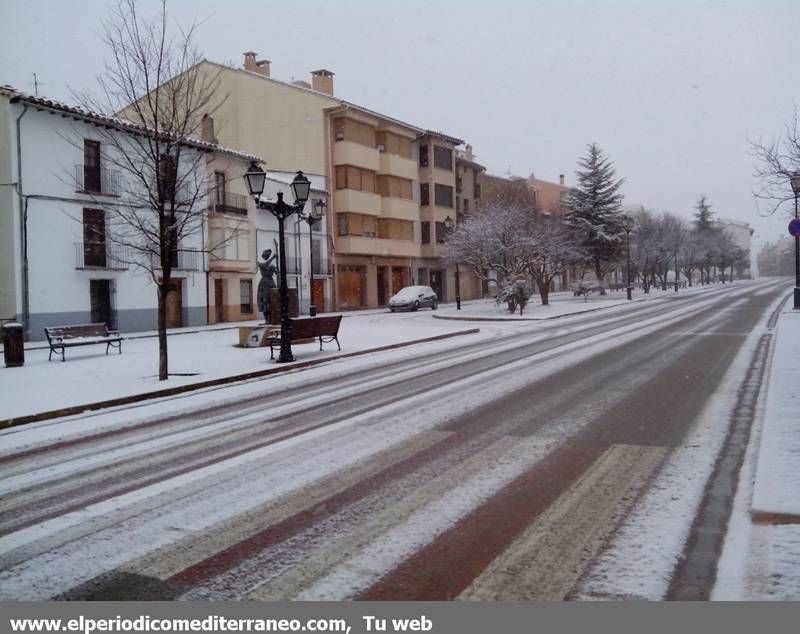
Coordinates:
534 319
146 396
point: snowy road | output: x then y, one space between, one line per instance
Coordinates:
525 466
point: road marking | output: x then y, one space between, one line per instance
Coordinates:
356 561
546 560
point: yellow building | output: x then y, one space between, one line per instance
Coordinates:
371 164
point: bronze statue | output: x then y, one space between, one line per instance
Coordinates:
267 282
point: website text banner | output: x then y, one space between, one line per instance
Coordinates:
357 618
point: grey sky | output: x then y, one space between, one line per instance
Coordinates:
670 89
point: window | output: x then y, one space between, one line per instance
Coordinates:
94 237
443 158
341 220
423 156
392 229
394 186
459 184
219 183
424 194
92 181
426 232
477 191
443 196
441 232
245 296
349 177
466 206
167 177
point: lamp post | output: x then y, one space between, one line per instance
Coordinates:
450 226
795 181
316 213
627 227
301 186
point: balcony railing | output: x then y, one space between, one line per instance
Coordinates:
228 203
96 180
100 255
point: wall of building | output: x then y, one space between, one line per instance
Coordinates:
10 304
59 283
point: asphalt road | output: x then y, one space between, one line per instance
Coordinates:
499 470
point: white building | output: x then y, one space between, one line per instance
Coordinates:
56 265
741 233
298 244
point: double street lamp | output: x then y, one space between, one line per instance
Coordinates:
314 216
627 227
449 225
301 186
795 181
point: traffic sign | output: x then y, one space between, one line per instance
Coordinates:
794 227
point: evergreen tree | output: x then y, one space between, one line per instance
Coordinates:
594 211
703 216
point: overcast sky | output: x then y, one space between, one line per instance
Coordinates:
670 90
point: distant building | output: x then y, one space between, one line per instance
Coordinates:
776 258
741 233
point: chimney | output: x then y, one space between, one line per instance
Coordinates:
207 129
560 179
261 66
322 81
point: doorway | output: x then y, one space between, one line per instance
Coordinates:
219 300
399 278
102 303
382 284
318 295
437 283
174 303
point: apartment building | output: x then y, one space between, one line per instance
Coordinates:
469 179
379 235
60 261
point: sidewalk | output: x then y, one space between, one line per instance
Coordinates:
210 354
761 556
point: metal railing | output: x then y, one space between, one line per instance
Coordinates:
100 255
97 180
226 202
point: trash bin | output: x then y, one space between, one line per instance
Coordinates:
13 349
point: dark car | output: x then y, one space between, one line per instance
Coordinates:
414 298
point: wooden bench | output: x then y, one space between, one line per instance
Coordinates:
62 337
326 329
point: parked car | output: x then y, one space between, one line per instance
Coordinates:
414 298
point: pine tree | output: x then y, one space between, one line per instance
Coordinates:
594 211
703 217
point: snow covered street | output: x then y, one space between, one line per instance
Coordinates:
546 460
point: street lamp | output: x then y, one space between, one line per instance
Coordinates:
449 225
795 181
301 187
314 216
627 227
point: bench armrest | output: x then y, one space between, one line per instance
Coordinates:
112 332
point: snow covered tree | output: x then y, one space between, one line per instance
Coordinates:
594 212
703 216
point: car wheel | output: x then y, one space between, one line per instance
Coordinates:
435 305
391 309
416 305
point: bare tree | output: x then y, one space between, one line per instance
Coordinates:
778 160
554 249
153 78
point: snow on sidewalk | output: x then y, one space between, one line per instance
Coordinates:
777 485
89 375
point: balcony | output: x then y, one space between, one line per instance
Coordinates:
101 255
228 203
183 260
96 180
357 202
398 166
399 208
357 155
362 245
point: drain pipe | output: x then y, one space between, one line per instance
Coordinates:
23 211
